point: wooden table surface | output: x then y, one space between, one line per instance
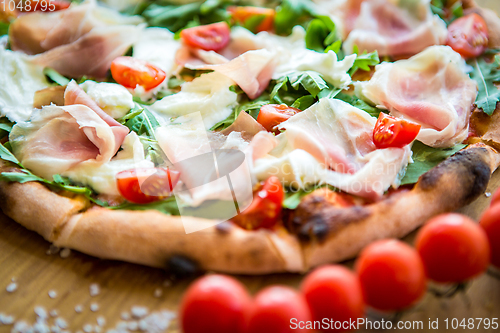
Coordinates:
26 267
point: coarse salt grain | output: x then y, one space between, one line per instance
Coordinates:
133 325
65 253
94 307
94 289
52 294
88 328
125 316
101 321
11 287
60 322
5 319
40 312
54 313
139 311
488 194
78 309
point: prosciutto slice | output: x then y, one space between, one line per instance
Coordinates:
82 40
392 27
430 88
56 139
331 143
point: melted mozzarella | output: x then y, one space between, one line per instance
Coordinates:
113 98
430 88
208 94
20 78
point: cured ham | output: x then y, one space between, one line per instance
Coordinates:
431 89
331 143
81 40
391 27
57 139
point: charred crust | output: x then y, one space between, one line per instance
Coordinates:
181 266
464 176
315 218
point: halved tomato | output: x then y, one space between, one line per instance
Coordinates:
143 186
271 115
242 15
131 72
265 209
468 35
391 132
210 37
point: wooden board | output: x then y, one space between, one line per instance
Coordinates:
23 258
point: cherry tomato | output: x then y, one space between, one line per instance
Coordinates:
278 309
265 209
334 292
214 304
45 5
490 221
271 115
210 37
468 35
146 185
453 248
392 275
131 72
241 15
393 132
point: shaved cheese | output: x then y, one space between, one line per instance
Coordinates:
208 94
430 88
157 46
113 98
20 78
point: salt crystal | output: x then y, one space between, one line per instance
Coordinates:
78 309
40 312
125 316
88 328
133 325
6 320
61 323
94 307
55 329
139 311
143 325
94 289
52 294
101 321
11 287
54 313
488 194
20 326
158 292
97 329
65 253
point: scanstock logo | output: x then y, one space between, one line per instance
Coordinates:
215 184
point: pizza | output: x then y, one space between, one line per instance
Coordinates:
244 138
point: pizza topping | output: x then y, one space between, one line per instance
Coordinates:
430 89
393 27
271 115
331 142
265 209
393 132
131 72
211 37
490 222
468 35
146 185
255 19
112 98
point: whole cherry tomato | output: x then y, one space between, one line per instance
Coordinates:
490 221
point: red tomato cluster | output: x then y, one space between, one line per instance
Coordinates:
389 276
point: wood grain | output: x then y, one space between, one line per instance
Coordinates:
23 257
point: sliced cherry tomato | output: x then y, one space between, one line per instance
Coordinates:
243 15
490 222
278 309
468 35
214 304
45 5
495 198
334 292
392 275
453 248
210 37
393 132
131 72
265 209
271 115
146 185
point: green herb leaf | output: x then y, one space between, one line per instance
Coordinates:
223 124
426 158
20 177
6 155
167 206
364 61
292 12
144 123
304 102
486 74
360 104
4 28
54 76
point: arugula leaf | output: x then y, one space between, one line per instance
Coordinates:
143 123
20 177
223 124
364 61
253 22
292 12
293 199
167 206
5 127
426 158
253 107
321 33
486 74
360 104
4 28
54 76
304 102
6 155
